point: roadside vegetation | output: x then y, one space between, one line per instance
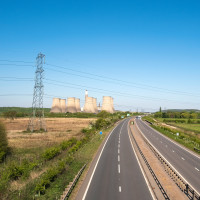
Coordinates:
183 127
43 172
3 142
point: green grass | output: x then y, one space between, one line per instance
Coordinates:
185 139
188 127
83 155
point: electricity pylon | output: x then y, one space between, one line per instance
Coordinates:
36 121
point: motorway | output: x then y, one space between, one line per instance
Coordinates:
184 161
116 174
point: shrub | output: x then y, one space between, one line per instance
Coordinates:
3 142
51 153
66 144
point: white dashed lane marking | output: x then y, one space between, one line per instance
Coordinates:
197 169
120 189
182 158
119 169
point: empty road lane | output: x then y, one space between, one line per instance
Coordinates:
117 174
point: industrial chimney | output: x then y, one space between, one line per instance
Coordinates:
56 106
77 103
63 105
71 107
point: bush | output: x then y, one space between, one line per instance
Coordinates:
51 153
66 144
3 142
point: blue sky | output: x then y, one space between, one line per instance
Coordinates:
152 46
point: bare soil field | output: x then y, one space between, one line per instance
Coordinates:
58 129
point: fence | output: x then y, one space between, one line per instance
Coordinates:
71 185
151 170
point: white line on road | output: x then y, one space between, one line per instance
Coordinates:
119 169
118 158
120 189
182 158
147 182
98 162
118 151
197 169
163 156
173 151
118 145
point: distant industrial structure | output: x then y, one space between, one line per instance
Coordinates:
90 106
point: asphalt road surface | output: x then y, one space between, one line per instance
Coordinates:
184 161
117 174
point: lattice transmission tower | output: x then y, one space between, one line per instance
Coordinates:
36 121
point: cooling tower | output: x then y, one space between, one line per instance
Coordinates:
71 106
112 103
107 104
63 105
89 105
56 106
95 105
77 103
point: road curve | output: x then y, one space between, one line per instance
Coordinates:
117 174
184 161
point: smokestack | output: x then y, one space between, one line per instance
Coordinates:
77 103
99 108
71 107
95 105
56 106
86 94
63 105
107 104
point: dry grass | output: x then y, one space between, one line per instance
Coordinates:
59 129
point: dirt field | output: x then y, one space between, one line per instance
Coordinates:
59 129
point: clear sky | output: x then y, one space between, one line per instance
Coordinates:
145 54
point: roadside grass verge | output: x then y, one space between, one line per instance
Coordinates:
186 140
186 136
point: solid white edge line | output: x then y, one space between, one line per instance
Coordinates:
98 162
184 148
120 189
147 182
118 158
167 160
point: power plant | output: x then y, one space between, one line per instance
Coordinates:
63 105
77 103
90 106
71 105
56 108
107 104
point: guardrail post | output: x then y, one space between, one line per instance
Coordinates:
192 194
186 189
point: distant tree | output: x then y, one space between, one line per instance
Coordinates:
193 116
160 110
3 142
185 115
103 114
10 114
